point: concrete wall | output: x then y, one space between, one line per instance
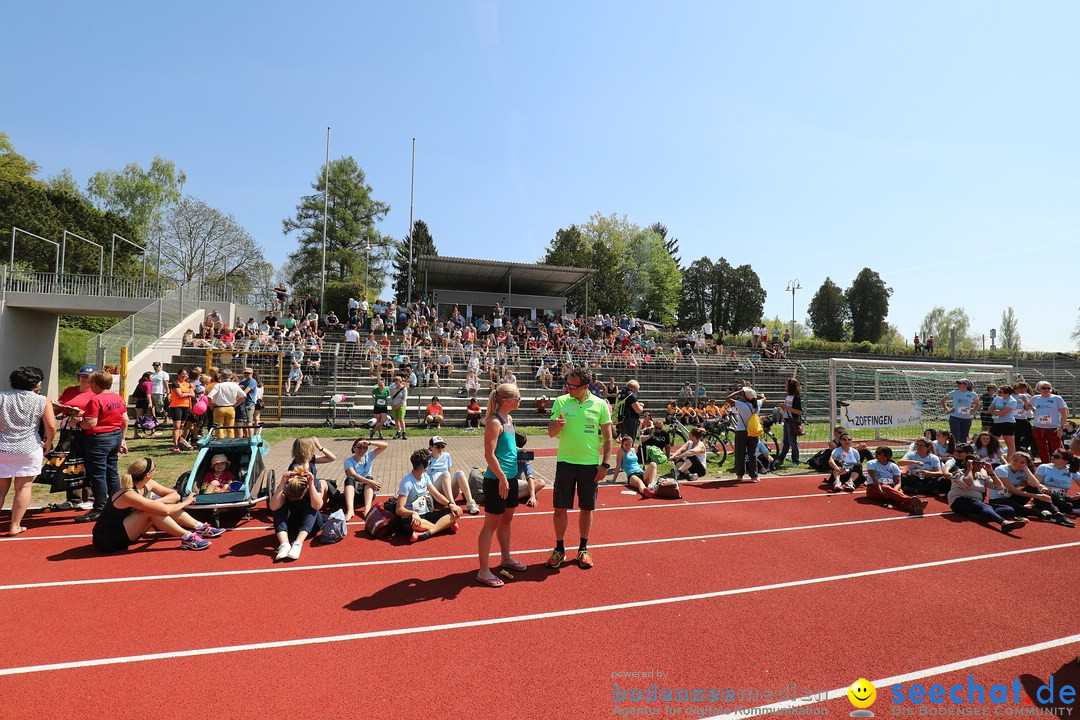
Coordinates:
30 337
163 350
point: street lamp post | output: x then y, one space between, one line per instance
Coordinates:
792 286
367 261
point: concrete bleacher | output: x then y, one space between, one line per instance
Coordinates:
660 382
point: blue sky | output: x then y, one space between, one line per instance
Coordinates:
934 142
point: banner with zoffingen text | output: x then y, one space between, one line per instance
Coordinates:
882 413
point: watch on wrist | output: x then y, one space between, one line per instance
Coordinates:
605 465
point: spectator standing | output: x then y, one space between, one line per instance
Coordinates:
399 402
1051 414
746 402
628 410
225 396
22 449
965 403
181 395
792 410
245 412
579 419
159 384
500 482
105 424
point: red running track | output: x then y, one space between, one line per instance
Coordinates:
815 635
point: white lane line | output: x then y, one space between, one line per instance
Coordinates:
518 618
906 677
401 561
547 513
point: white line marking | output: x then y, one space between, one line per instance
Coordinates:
401 561
643 506
518 618
906 677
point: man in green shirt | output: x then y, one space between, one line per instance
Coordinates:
579 419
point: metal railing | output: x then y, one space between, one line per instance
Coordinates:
145 327
87 285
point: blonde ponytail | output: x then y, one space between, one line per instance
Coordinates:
503 392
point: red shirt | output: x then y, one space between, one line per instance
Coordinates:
74 397
110 411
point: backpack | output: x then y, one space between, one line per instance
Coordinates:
620 405
476 484
820 460
382 520
753 425
335 528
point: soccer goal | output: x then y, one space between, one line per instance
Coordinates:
897 399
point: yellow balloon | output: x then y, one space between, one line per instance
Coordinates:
862 693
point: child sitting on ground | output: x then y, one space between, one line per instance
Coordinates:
218 478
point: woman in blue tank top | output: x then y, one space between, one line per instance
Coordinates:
500 482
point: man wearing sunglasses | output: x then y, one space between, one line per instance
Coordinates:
579 419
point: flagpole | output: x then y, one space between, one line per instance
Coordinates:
412 191
326 212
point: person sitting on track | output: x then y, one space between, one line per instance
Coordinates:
968 491
846 465
689 458
944 446
415 502
133 510
923 472
1022 486
882 483
358 474
655 441
1058 476
638 479
295 505
988 448
440 468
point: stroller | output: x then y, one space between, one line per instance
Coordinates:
146 426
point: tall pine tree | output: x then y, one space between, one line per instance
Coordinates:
423 244
670 244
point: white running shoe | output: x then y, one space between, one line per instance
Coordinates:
282 551
294 551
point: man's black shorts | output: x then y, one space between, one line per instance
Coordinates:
495 505
570 477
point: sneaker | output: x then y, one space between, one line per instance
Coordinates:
208 531
584 559
755 478
472 508
91 516
294 551
917 506
849 486
1060 519
1046 516
837 486
1014 524
555 559
282 551
193 542
418 535
184 444
647 493
454 528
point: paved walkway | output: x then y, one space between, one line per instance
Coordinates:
393 463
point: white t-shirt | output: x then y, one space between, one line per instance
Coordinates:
887 474
226 394
158 382
351 336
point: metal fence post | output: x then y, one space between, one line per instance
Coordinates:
160 309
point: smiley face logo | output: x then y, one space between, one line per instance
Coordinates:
862 693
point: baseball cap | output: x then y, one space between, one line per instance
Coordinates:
248 371
156 364
437 440
749 393
87 369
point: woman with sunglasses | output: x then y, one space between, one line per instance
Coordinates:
1058 476
1022 487
358 475
1051 413
846 466
968 493
142 503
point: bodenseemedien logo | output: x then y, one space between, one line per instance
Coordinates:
862 695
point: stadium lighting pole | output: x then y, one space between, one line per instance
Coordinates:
326 212
412 192
792 286
367 261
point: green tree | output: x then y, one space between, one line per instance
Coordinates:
141 195
654 279
945 326
696 301
670 244
569 249
352 216
65 182
868 305
1009 333
828 312
423 244
892 336
14 166
741 296
36 207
